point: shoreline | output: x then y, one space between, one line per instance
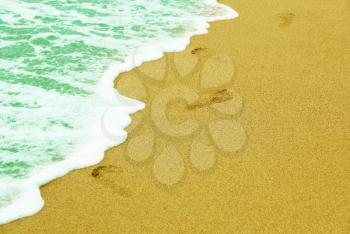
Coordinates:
279 181
109 138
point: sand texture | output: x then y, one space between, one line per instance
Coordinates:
247 131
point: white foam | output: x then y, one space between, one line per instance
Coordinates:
114 114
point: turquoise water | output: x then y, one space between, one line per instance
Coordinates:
53 55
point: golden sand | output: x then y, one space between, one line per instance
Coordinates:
247 131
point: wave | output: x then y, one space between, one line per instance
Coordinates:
66 116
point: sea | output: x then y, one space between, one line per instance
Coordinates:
58 60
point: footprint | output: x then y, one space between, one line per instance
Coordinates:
286 19
108 176
220 96
103 170
197 50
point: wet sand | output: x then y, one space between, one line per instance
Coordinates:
247 131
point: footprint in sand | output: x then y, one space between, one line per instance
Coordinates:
286 19
190 113
108 176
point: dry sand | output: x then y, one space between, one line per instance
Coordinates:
199 161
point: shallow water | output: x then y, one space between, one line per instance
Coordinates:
54 87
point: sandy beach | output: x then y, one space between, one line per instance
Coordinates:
247 131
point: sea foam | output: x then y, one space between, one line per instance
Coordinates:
58 60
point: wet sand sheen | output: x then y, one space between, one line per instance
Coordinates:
282 98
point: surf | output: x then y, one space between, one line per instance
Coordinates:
58 60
